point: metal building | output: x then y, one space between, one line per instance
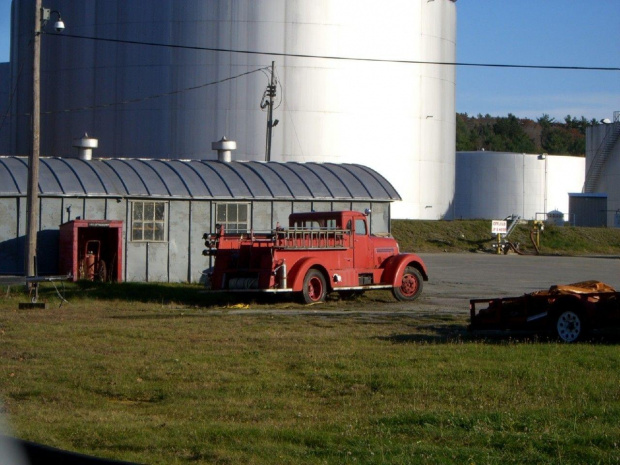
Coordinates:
494 185
382 106
588 210
167 205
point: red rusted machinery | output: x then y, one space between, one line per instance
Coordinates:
92 249
93 267
569 311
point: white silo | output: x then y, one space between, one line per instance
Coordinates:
603 165
494 185
368 100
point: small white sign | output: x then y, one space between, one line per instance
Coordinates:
498 227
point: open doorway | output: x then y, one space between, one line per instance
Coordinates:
92 250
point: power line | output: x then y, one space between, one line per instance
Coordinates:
327 57
150 97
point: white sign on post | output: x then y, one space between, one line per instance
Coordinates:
498 227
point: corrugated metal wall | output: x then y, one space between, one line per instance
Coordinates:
589 210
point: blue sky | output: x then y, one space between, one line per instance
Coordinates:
539 32
525 32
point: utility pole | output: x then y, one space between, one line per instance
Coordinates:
271 93
33 160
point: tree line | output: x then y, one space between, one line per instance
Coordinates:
522 135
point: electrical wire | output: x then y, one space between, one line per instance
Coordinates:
263 101
263 69
150 97
61 296
328 57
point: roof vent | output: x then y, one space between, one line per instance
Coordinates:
224 149
85 146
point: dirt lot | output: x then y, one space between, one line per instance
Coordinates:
456 278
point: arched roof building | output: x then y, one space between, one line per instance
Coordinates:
197 179
164 207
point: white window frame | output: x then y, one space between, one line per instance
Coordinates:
155 225
224 211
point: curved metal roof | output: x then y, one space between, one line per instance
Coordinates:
196 179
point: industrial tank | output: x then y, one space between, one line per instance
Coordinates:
495 185
603 165
349 105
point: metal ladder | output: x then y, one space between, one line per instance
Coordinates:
512 226
600 158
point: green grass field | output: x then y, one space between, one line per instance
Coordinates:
142 373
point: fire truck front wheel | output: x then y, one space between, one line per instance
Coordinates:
315 288
411 287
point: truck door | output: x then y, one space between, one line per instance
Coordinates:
362 255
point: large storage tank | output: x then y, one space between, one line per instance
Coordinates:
603 165
494 185
5 96
397 117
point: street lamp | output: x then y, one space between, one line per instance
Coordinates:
41 17
46 14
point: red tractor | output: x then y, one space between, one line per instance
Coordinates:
317 253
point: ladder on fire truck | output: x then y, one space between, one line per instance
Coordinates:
312 238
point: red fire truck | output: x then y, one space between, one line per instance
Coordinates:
317 253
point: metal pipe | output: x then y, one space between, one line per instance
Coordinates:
282 271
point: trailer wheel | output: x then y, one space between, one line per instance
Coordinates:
314 289
411 287
569 326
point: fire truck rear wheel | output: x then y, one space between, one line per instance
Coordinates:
315 288
411 287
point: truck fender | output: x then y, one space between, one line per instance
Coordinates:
298 272
395 267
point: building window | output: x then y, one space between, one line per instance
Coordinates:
234 216
148 221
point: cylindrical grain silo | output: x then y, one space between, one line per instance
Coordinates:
365 95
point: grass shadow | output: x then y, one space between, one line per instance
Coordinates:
436 333
445 334
189 295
